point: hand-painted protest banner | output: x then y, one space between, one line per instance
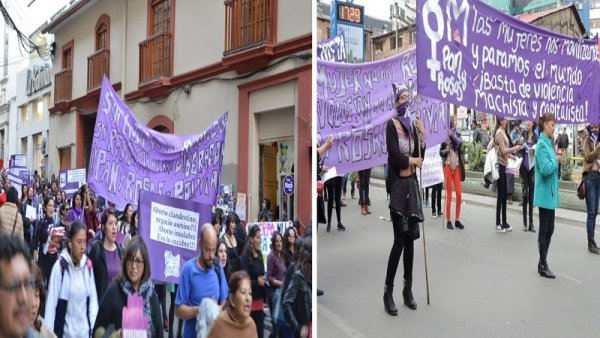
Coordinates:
171 229
267 229
17 173
473 55
127 157
332 49
354 102
70 180
433 170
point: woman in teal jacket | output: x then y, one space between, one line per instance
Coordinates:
546 189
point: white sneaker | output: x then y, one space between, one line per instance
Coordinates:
500 229
509 228
435 216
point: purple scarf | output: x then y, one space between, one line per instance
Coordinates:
75 214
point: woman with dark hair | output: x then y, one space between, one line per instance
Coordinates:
546 196
91 217
37 303
133 228
275 270
504 151
217 220
451 154
222 257
133 279
63 211
234 320
231 241
125 221
527 173
265 212
47 240
106 254
591 176
252 263
297 301
76 212
72 299
289 238
406 148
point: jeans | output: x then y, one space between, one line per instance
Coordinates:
345 184
453 178
402 242
501 199
334 191
363 189
592 195
436 198
527 185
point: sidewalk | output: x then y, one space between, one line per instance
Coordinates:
564 216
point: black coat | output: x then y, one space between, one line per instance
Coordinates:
297 303
111 310
254 268
99 262
397 160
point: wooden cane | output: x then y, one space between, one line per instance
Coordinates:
423 223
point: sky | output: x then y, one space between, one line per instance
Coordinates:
375 8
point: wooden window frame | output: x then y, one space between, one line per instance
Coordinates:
69 46
149 32
103 19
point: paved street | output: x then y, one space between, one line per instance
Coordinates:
481 282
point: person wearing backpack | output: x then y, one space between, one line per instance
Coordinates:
72 304
106 254
202 277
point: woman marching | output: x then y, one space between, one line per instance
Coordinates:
527 173
452 158
546 189
591 176
404 156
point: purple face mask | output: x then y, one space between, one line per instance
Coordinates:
402 116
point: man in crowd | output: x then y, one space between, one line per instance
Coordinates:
199 280
16 287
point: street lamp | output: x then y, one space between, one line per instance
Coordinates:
395 15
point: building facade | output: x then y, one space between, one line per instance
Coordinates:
170 63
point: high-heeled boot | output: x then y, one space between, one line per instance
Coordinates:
407 294
543 268
388 300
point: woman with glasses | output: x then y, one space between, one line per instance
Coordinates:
591 175
72 299
133 279
252 263
289 238
106 254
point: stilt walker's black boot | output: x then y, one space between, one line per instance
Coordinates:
408 296
388 300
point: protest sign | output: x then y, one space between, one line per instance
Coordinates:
171 229
240 206
267 229
135 324
70 180
473 55
332 49
433 169
127 157
17 173
354 102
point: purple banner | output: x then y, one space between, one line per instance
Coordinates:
473 55
332 49
354 102
171 229
70 180
127 157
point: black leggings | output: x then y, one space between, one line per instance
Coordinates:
501 200
259 320
334 190
402 241
546 225
527 184
363 190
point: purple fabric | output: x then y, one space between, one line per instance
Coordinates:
75 214
332 49
170 228
127 157
354 102
473 55
113 264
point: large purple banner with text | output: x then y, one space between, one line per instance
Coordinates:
128 157
170 228
354 102
473 55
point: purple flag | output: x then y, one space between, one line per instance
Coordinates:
127 157
332 49
473 55
354 102
170 228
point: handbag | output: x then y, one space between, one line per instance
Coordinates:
581 189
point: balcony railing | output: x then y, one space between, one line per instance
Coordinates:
98 65
155 57
248 23
63 82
